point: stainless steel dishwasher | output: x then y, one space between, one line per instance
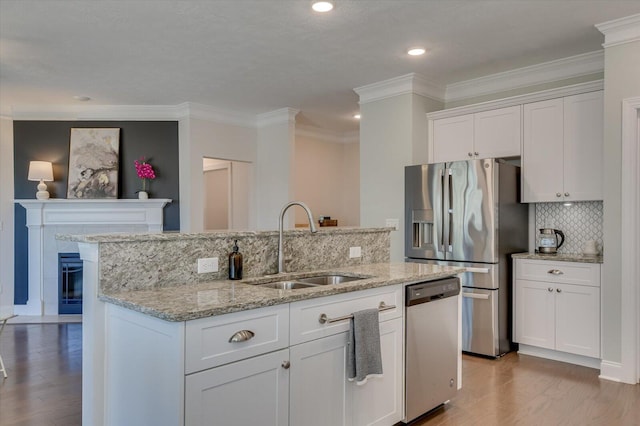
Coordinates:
431 345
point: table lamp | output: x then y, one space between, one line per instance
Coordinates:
41 171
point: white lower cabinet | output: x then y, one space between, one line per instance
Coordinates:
318 383
557 306
253 391
321 394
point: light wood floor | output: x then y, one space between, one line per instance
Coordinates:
44 387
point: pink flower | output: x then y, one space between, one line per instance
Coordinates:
144 171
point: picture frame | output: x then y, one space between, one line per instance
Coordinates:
94 158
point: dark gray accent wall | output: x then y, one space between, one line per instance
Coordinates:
157 141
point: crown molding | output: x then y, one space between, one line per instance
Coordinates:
574 89
95 112
546 72
404 84
620 31
326 135
209 113
279 116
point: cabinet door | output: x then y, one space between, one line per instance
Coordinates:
535 313
379 400
583 143
542 156
452 139
254 391
497 133
578 319
318 382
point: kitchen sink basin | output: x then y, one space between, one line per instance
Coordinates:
287 285
328 279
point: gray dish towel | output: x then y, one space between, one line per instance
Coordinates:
363 353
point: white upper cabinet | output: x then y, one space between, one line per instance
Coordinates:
562 154
488 134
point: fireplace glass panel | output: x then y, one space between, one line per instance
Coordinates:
69 283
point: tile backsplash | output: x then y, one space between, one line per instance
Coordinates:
579 222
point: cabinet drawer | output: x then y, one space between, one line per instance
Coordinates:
558 272
305 315
208 340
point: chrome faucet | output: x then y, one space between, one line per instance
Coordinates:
281 220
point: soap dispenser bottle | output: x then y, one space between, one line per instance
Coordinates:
235 263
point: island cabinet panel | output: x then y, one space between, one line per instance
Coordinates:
305 315
319 388
557 307
380 400
253 391
222 339
144 381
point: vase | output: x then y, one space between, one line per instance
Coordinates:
143 195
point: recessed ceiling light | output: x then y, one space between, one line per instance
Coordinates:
82 98
356 116
416 51
322 6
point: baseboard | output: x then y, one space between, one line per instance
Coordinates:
610 370
585 361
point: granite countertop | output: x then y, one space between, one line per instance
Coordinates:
175 235
201 300
560 257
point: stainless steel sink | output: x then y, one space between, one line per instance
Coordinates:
287 285
328 279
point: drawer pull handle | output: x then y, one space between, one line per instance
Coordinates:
325 319
550 289
555 272
242 336
559 290
286 365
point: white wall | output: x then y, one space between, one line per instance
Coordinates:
216 198
203 138
6 217
392 132
274 169
621 80
324 174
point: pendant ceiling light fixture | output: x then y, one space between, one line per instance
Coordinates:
322 6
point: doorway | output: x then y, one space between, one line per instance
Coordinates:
227 192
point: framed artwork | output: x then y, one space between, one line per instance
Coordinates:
93 163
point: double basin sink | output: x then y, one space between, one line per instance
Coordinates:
313 281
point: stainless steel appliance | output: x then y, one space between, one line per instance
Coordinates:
467 213
431 361
548 240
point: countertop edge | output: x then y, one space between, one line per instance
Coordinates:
580 258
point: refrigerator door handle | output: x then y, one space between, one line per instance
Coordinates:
475 295
478 270
450 210
443 207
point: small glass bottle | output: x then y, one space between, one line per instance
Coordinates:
235 263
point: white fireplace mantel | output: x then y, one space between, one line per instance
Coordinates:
45 218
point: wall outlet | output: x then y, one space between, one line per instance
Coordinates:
355 252
393 223
208 264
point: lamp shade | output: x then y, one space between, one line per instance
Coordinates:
40 170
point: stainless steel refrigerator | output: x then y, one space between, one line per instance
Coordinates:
467 213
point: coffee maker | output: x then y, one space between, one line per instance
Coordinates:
548 240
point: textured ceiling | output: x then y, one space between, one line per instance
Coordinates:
259 56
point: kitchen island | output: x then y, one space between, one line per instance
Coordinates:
170 351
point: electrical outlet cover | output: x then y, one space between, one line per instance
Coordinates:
208 264
355 252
